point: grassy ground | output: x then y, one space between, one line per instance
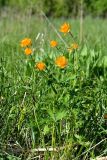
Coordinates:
56 107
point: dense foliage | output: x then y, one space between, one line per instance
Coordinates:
58 8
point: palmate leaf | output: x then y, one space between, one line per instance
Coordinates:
57 115
46 129
81 140
60 115
51 114
84 51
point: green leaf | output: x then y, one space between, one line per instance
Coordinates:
105 61
60 115
46 130
84 51
51 114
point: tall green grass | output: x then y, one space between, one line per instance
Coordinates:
55 108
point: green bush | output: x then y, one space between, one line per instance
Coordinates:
60 8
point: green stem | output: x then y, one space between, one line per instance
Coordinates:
53 136
72 36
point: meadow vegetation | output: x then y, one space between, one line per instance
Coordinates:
54 93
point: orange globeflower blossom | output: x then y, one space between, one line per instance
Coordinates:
70 49
28 51
61 61
26 42
65 28
53 43
74 46
40 66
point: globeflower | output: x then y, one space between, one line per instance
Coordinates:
40 66
61 61
26 42
53 43
74 46
28 51
70 49
65 28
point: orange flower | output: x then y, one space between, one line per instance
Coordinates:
53 43
28 51
74 46
61 61
70 49
26 42
65 28
40 66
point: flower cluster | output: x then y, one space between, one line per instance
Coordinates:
60 61
26 44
